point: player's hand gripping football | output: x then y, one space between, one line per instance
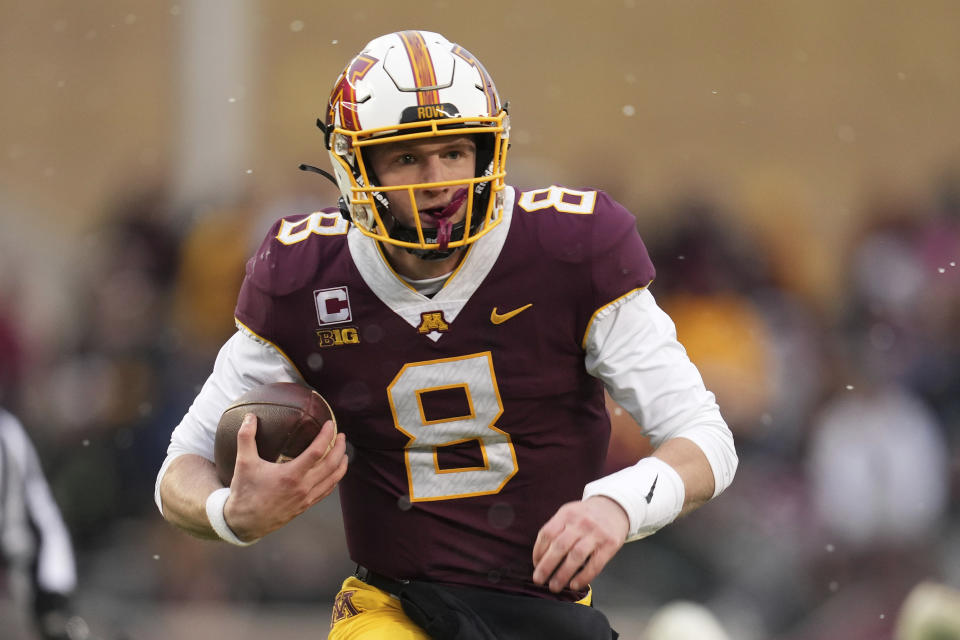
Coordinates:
264 496
577 542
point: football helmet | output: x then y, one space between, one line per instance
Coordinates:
413 85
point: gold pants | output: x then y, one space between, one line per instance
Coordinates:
363 612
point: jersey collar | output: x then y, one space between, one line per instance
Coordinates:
406 302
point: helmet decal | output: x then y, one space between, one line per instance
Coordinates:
344 97
493 103
424 75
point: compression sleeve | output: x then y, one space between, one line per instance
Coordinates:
632 347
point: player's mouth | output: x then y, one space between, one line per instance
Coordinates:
441 216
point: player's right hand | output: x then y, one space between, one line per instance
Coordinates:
264 496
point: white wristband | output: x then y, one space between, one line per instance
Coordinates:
215 503
651 492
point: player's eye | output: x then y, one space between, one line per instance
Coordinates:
406 158
459 154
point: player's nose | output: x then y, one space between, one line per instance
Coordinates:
432 169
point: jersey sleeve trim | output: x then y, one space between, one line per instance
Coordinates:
253 335
613 304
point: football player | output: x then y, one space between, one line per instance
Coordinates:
464 332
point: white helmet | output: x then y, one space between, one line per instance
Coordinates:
416 85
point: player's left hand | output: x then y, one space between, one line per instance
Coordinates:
577 542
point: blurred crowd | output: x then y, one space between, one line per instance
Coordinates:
846 409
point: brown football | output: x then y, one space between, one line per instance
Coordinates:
289 416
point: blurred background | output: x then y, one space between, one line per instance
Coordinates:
794 167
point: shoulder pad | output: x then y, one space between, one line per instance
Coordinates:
295 248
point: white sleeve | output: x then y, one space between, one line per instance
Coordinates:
244 362
632 347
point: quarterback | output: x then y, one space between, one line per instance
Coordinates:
464 332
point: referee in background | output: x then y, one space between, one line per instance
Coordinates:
35 547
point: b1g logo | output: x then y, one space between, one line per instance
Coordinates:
337 337
333 305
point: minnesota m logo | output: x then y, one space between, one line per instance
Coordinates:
343 607
432 321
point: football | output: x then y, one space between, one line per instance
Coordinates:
289 417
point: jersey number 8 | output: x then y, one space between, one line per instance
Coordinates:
475 376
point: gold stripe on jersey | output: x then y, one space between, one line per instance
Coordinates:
586 333
256 336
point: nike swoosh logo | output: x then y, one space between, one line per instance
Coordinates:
500 318
652 487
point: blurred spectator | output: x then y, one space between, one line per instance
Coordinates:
727 338
214 252
904 304
878 469
754 340
11 354
878 461
935 374
99 397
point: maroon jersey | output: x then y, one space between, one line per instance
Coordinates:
470 416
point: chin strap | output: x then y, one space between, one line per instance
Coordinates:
409 234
